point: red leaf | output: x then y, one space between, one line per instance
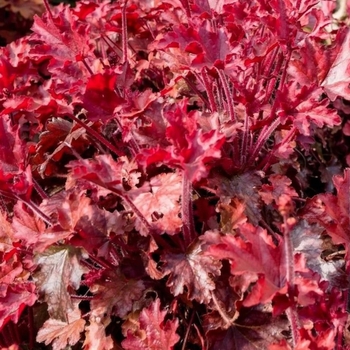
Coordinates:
6 233
27 227
152 331
280 192
210 46
102 170
192 271
15 175
161 206
303 106
66 208
137 102
94 228
62 36
8 274
192 148
100 98
253 252
18 296
64 134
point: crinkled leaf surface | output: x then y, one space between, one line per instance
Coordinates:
60 333
161 206
102 170
64 41
18 297
59 269
337 80
191 271
95 336
100 98
192 148
114 294
153 332
244 187
253 251
27 226
332 212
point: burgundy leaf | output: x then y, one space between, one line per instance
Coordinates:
243 186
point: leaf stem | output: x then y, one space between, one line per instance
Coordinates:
263 137
272 76
98 261
229 97
291 312
187 210
30 204
188 330
82 297
124 33
47 6
87 66
39 190
14 332
281 84
137 212
6 336
95 134
244 144
283 26
31 327
112 45
196 91
286 139
229 321
209 90
187 7
134 147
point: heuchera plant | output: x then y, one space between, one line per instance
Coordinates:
173 176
